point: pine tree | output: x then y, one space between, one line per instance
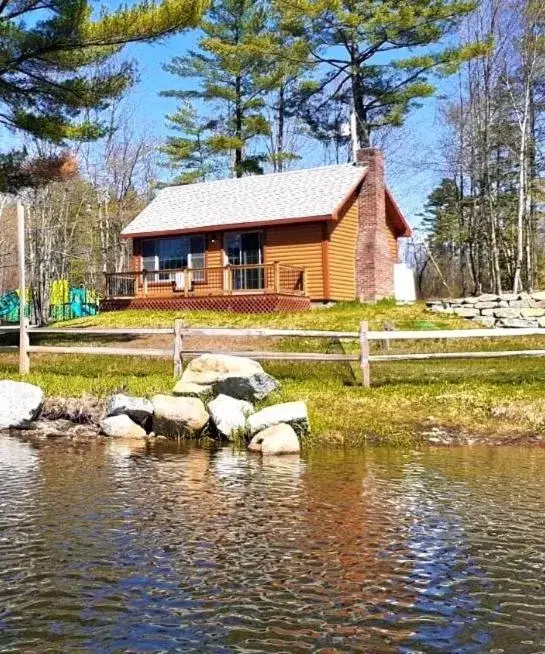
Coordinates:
287 64
441 220
190 152
231 70
368 48
54 56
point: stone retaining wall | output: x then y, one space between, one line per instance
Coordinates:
506 310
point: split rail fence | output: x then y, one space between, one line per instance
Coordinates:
177 353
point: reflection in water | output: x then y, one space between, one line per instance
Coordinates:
122 548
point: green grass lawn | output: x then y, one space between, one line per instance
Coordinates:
342 317
500 397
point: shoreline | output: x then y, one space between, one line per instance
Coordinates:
77 420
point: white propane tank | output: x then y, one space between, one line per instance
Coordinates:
404 287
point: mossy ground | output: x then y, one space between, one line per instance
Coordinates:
500 398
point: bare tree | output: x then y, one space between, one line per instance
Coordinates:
122 170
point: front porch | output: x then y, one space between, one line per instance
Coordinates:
251 288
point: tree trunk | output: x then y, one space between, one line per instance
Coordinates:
279 160
238 126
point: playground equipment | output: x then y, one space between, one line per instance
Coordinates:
65 303
9 306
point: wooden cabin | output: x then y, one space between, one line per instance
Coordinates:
265 243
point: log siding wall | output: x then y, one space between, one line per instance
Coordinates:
342 254
299 246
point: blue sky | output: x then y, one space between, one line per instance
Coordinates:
412 160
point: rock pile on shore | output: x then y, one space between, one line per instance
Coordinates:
516 310
214 397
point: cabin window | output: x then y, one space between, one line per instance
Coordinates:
171 254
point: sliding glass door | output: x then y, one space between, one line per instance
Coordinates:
245 249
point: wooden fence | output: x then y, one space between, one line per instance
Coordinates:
177 353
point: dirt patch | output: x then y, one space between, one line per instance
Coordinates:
87 410
452 436
206 343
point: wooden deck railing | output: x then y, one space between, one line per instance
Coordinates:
275 278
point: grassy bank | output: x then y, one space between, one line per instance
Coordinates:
342 317
503 398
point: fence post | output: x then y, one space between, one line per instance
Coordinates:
388 327
177 349
364 354
24 359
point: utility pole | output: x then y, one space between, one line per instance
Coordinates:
24 359
354 136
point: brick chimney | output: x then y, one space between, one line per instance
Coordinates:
374 253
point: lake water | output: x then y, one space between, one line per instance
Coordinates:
109 548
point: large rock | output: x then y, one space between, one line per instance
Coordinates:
255 387
522 304
177 417
279 439
139 409
121 426
464 312
229 415
291 413
239 377
20 403
539 296
485 305
210 368
532 313
517 323
190 389
507 313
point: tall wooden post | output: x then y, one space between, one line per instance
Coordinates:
177 350
277 276
186 282
24 358
364 354
145 282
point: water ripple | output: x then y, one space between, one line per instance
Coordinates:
121 549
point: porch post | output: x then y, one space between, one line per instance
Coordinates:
144 282
276 276
186 282
227 279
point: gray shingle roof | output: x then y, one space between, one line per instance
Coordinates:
261 198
